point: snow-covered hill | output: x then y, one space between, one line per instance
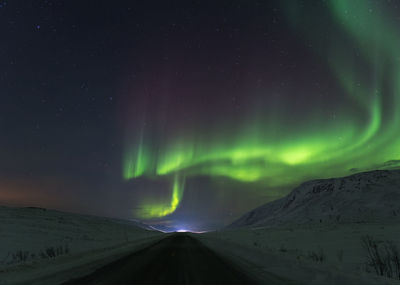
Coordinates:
364 197
32 234
42 246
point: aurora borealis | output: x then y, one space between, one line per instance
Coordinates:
193 113
361 51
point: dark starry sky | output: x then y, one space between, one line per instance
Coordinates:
77 77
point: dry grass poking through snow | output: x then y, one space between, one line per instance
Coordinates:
382 257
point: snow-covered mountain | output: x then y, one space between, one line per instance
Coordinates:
364 197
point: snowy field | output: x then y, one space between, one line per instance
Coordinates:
311 254
319 231
36 242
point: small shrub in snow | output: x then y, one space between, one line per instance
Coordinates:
52 252
317 256
20 256
382 257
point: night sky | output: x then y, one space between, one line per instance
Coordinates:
188 114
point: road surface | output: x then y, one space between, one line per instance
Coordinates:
177 259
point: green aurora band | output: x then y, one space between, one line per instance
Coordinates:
158 210
315 148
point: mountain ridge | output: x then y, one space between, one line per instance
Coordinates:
372 196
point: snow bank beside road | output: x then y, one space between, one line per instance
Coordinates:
289 252
37 243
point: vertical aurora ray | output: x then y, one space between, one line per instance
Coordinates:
363 59
136 161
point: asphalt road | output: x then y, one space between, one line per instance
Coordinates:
177 259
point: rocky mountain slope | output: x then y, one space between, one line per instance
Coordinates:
363 197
